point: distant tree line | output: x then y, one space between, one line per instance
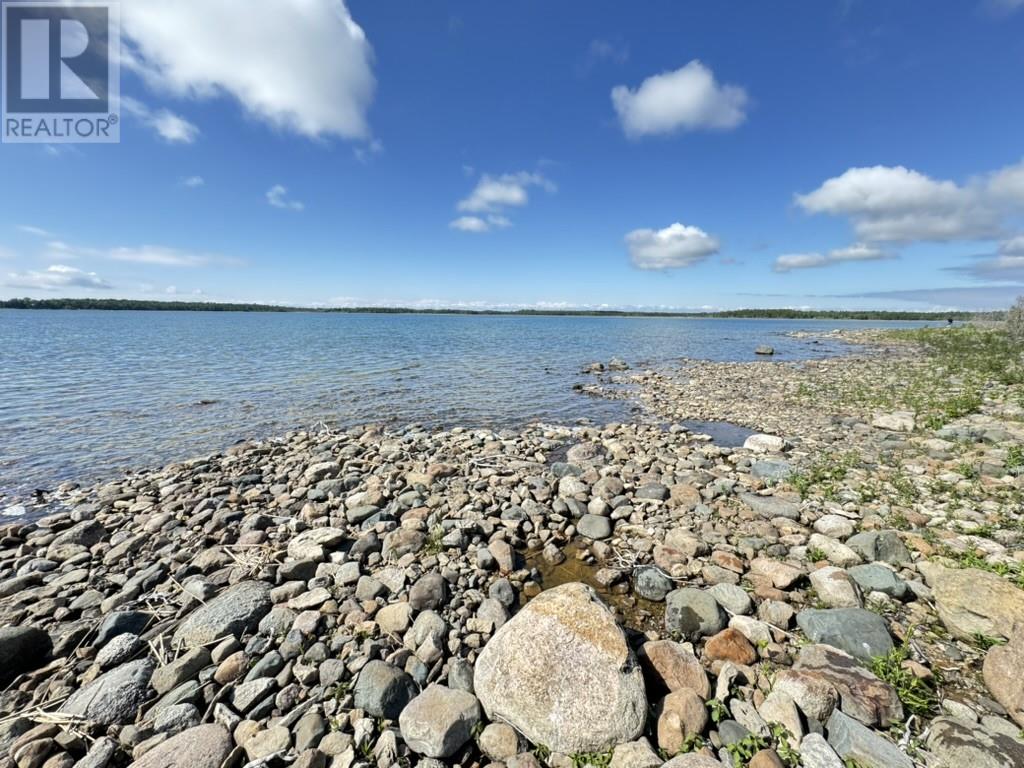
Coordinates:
205 306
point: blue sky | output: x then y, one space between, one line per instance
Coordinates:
658 155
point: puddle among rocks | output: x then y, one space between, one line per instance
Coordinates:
633 612
722 433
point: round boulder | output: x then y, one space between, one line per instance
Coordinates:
562 674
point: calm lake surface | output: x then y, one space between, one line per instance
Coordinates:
86 394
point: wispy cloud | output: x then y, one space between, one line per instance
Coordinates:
857 252
277 196
193 181
977 298
686 99
488 201
171 127
57 277
365 153
155 255
37 231
1006 264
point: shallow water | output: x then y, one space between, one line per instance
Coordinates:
87 394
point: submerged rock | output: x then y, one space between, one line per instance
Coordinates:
561 672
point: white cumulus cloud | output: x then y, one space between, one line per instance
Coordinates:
677 245
898 204
300 65
55 278
688 98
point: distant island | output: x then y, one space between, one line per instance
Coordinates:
202 306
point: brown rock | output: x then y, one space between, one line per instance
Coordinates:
862 696
730 645
972 602
680 714
668 666
1004 674
766 758
205 746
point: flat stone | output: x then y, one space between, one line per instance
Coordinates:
972 602
956 744
439 721
692 760
235 611
185 667
730 645
315 543
860 633
812 693
775 470
782 575
815 752
562 673
761 443
693 613
113 697
874 577
205 746
770 507
897 421
861 694
853 741
881 546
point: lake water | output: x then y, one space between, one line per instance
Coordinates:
84 395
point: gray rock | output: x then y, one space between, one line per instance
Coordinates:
113 697
235 611
693 613
439 721
771 469
877 578
771 506
853 741
118 650
429 591
955 744
651 583
816 753
176 719
654 491
383 689
971 601
635 754
22 649
120 622
205 746
562 673
732 598
860 633
882 546
315 544
248 695
594 527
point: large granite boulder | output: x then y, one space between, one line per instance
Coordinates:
972 602
562 674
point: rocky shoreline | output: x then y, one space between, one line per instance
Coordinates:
845 589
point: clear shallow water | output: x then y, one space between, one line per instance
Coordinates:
86 394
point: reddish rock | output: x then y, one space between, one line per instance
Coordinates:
668 666
730 645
